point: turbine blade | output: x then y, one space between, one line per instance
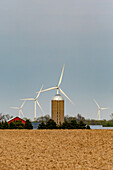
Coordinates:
104 108
39 92
23 104
28 99
41 87
40 106
65 95
61 76
96 103
49 89
22 113
14 107
19 113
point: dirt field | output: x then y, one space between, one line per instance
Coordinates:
56 149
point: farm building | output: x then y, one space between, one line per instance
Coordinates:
16 119
57 109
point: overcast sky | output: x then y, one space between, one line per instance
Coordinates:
37 37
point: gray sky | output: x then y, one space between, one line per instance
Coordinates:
38 37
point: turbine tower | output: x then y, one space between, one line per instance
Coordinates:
58 86
35 102
19 109
99 108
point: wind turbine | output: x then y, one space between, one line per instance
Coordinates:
35 102
19 109
99 108
58 86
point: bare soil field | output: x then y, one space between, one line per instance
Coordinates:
56 149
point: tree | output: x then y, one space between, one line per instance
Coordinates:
42 125
87 127
12 125
80 118
51 124
69 118
28 124
5 125
66 125
43 118
4 117
19 125
0 125
73 124
82 125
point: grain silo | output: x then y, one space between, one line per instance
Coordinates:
57 109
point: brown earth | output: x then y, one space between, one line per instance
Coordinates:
56 149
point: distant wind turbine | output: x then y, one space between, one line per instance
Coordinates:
99 108
58 86
19 109
35 101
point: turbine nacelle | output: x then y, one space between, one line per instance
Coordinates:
36 102
58 86
19 109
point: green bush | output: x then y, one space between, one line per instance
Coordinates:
42 125
28 124
81 125
12 125
65 125
87 127
16 125
4 125
73 124
19 125
51 124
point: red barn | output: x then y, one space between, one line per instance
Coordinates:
16 119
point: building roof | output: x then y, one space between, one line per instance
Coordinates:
15 118
57 97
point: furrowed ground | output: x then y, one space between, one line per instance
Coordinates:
56 149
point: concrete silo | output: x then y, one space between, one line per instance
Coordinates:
57 109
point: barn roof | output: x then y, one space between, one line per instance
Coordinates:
15 118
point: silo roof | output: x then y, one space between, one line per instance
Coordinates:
57 97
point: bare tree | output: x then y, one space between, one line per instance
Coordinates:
4 118
43 118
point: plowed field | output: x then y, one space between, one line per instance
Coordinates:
56 149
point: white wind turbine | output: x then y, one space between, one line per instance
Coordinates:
35 102
19 109
58 86
99 108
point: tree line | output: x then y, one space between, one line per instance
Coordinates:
104 123
45 122
51 124
79 118
16 125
